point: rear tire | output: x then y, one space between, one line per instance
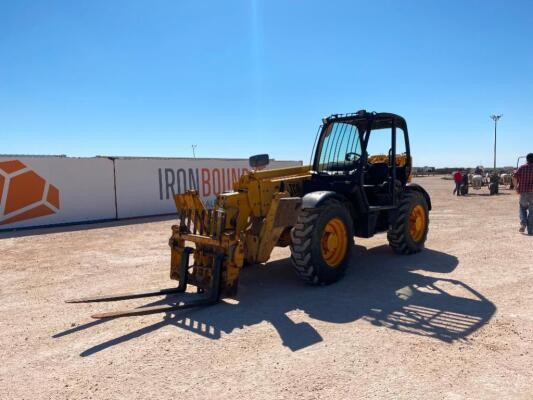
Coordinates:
312 259
409 232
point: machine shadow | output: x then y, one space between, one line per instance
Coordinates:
381 288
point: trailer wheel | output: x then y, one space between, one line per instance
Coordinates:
409 232
321 243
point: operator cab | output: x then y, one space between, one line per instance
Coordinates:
364 156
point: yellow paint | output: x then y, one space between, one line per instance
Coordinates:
334 242
401 159
249 234
417 223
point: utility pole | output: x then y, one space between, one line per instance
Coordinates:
193 152
495 118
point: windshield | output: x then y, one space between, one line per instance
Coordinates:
340 150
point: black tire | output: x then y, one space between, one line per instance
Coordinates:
399 236
306 254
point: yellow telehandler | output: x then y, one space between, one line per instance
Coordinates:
316 210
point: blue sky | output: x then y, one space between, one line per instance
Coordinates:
242 77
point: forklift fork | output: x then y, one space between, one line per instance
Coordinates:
212 297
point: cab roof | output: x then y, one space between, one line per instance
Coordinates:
361 117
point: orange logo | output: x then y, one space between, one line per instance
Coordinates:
24 194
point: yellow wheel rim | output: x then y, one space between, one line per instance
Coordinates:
334 242
417 223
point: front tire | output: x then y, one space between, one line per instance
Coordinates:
321 243
409 232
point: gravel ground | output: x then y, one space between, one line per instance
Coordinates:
453 322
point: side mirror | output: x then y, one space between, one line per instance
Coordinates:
259 161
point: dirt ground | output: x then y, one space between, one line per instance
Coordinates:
453 322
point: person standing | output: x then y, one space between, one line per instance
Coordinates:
524 186
522 211
457 178
464 183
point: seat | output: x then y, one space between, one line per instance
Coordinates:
376 174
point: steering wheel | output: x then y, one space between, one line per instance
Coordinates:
352 157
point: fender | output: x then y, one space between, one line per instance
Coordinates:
315 199
420 189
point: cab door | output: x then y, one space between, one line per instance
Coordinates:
379 170
387 162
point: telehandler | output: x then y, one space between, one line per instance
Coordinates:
348 190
